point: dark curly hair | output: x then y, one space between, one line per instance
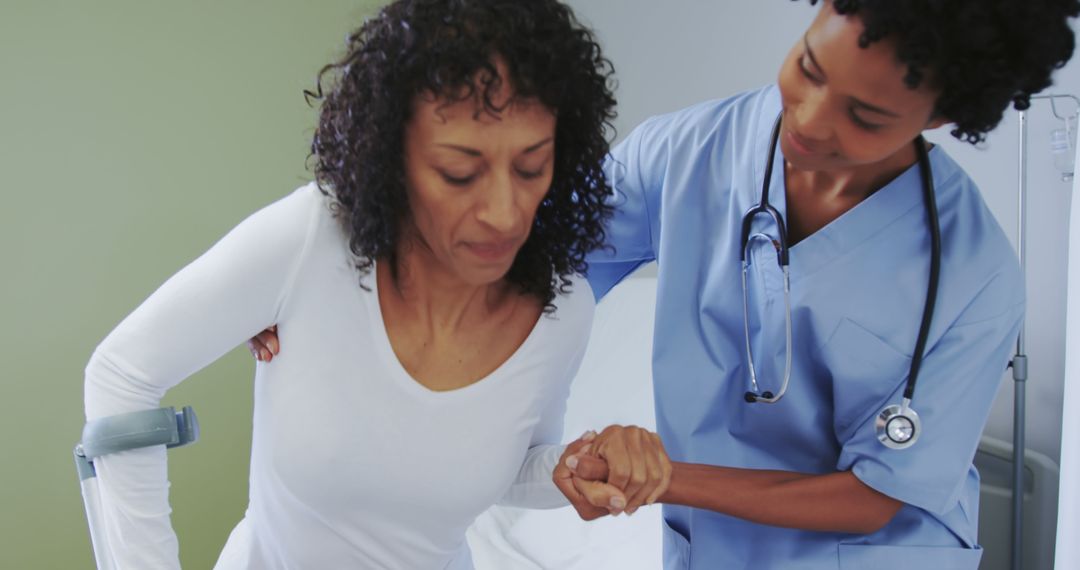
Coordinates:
448 48
980 54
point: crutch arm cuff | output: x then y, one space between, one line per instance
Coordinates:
147 428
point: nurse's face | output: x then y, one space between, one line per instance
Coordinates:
845 106
474 182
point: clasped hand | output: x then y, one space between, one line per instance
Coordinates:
616 471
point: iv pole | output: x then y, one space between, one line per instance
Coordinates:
1019 362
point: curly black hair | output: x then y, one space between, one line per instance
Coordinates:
981 55
448 48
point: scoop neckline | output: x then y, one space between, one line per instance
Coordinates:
402 377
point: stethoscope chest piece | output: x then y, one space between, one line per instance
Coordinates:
898 427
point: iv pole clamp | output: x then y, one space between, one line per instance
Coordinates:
163 426
1019 362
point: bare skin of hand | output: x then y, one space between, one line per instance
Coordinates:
264 345
635 461
584 495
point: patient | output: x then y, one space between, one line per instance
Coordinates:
427 284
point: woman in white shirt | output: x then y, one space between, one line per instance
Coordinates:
427 285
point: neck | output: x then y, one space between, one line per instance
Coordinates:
857 183
425 292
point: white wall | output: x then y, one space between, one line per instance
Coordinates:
671 53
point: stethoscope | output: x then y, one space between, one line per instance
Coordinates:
897 426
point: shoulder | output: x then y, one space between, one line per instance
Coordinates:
730 116
735 129
310 214
295 213
574 307
284 226
577 298
296 230
977 256
308 203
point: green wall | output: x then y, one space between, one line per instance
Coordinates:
132 136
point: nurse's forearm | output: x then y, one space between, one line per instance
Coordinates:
836 502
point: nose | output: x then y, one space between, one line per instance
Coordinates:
812 117
497 206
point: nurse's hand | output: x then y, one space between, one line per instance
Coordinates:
636 463
591 499
264 345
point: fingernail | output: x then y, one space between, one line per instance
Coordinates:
586 448
589 436
571 462
266 355
617 503
257 355
273 347
630 511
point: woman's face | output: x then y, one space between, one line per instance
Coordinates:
474 182
845 106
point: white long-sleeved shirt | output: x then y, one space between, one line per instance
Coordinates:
354 464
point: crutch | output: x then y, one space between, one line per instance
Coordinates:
163 426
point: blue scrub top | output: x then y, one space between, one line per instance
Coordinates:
682 184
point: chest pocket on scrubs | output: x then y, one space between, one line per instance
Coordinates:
865 372
883 557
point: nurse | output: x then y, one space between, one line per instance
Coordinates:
804 482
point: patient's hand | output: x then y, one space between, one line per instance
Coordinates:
265 345
591 498
633 460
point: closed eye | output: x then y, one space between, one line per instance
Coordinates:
457 181
530 175
806 71
863 124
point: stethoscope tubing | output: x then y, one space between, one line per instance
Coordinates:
764 208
